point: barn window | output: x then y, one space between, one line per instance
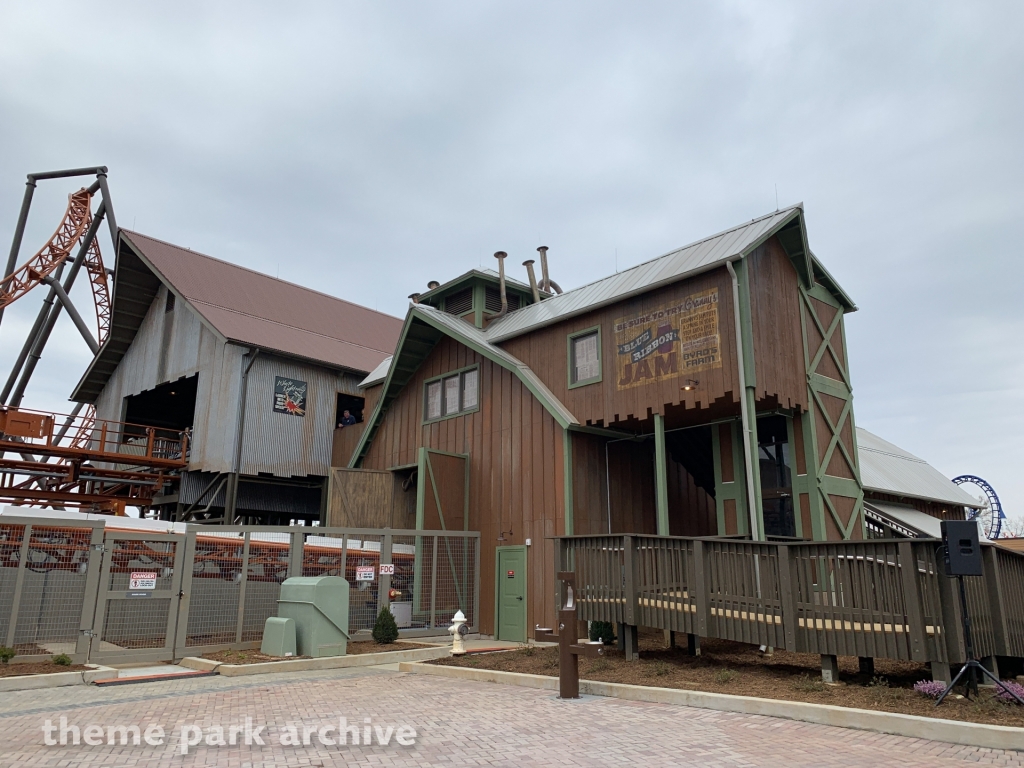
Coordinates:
449 395
585 357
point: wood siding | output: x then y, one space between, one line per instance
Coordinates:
775 314
515 459
604 403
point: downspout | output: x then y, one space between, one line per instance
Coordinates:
500 256
236 465
744 410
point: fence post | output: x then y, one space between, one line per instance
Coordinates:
19 581
994 592
475 623
786 597
241 589
700 594
950 615
92 588
384 584
295 554
185 585
632 577
912 600
433 583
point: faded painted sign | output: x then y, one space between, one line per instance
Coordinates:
673 339
289 396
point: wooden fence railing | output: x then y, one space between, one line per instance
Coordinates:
873 599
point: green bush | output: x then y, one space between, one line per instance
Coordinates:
62 660
603 631
385 631
6 654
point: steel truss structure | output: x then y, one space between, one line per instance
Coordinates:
101 465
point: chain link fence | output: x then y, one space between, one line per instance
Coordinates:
72 588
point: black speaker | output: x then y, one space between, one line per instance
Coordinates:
963 551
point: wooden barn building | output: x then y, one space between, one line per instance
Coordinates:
258 369
704 392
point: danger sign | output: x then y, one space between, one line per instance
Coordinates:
364 573
142 580
387 569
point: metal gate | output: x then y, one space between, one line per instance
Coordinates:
138 597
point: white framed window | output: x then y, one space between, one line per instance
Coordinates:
451 394
585 357
433 400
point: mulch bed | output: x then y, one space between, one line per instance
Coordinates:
255 657
740 669
38 668
372 647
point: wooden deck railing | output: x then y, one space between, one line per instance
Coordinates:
873 599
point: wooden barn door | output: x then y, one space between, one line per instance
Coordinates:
443 492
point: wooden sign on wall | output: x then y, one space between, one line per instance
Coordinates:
672 339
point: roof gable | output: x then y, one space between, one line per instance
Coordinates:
239 305
424 327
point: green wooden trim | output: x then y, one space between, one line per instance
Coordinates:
567 481
570 367
614 434
479 299
661 474
829 386
735 490
421 488
447 375
545 398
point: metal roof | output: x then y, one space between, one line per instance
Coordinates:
697 257
905 519
253 308
887 468
378 374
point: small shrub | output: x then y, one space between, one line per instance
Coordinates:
879 682
526 649
603 631
930 688
1017 688
658 669
724 676
809 684
62 660
385 630
6 654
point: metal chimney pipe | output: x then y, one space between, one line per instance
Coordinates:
533 280
545 281
414 298
500 256
432 285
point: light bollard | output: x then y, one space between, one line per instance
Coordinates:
569 650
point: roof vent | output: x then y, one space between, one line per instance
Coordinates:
432 285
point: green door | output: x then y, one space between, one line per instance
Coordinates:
511 577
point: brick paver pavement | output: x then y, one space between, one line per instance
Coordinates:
458 723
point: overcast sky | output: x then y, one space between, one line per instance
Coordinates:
366 148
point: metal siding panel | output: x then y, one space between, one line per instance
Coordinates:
890 469
282 444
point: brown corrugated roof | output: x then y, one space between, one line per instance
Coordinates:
252 308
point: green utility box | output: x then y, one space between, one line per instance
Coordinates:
319 607
278 637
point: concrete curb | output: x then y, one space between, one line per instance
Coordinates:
56 679
912 726
327 662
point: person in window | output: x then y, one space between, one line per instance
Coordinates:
347 420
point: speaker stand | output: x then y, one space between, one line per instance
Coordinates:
972 666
